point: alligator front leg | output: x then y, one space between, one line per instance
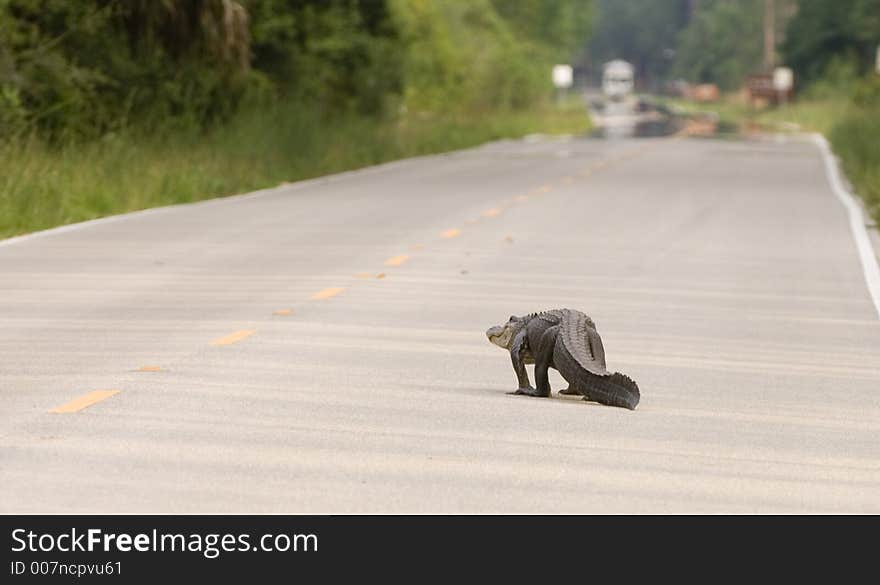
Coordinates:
543 355
569 391
544 361
517 350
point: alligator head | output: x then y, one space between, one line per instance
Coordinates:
502 335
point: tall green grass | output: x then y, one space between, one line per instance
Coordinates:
42 186
856 139
809 115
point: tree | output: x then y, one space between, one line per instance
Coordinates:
643 32
87 68
341 53
723 44
826 31
562 25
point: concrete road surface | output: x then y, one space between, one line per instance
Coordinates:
246 354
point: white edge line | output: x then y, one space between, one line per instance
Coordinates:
856 221
293 186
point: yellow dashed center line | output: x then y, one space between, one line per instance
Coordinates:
326 293
233 337
96 396
397 260
84 401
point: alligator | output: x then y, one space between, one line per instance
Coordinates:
566 340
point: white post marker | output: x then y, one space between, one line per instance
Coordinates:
563 76
856 222
783 81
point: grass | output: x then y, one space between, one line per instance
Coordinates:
856 140
43 186
729 112
819 115
809 115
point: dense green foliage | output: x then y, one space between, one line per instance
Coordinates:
561 27
701 41
83 68
856 137
824 33
87 67
855 140
341 54
116 105
723 43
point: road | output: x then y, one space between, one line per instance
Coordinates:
320 347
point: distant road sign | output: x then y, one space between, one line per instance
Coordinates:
760 86
783 79
563 76
763 87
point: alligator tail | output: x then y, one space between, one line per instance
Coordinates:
614 390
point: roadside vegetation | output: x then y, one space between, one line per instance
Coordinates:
44 185
109 106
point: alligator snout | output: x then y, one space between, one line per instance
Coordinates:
499 335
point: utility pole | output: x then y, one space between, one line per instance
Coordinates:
693 7
769 35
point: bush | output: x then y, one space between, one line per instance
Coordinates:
867 93
855 141
77 70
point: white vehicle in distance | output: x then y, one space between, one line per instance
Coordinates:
617 80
